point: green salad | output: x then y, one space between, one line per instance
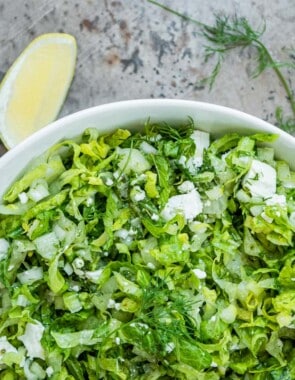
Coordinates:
163 254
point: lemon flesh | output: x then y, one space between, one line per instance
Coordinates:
35 87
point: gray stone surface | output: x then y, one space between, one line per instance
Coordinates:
130 49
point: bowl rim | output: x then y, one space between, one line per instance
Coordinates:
119 105
217 120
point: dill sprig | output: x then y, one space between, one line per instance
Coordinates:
173 132
235 32
166 312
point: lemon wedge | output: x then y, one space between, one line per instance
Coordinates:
34 88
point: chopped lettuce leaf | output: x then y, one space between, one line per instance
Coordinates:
149 256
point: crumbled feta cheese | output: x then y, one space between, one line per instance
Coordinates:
140 179
199 273
229 314
189 205
111 303
4 246
256 210
68 269
49 371
105 254
75 288
22 301
155 217
150 265
202 141
186 187
6 347
32 339
182 160
116 175
94 276
276 199
169 347
147 148
139 324
23 197
214 365
156 138
109 182
90 201
260 180
213 318
117 340
137 194
122 233
38 190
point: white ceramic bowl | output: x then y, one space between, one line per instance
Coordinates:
133 114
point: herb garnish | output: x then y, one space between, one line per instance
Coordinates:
230 32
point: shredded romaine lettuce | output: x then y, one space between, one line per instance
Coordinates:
155 255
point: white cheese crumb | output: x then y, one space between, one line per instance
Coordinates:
276 199
6 347
49 371
186 187
76 288
109 182
122 233
90 201
147 148
23 197
189 205
150 265
94 276
155 217
38 190
4 246
182 160
137 194
202 141
199 273
68 269
169 347
117 340
22 301
32 340
139 324
156 138
260 180
111 304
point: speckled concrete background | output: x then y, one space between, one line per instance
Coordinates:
130 49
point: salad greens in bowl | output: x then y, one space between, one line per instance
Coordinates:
149 239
